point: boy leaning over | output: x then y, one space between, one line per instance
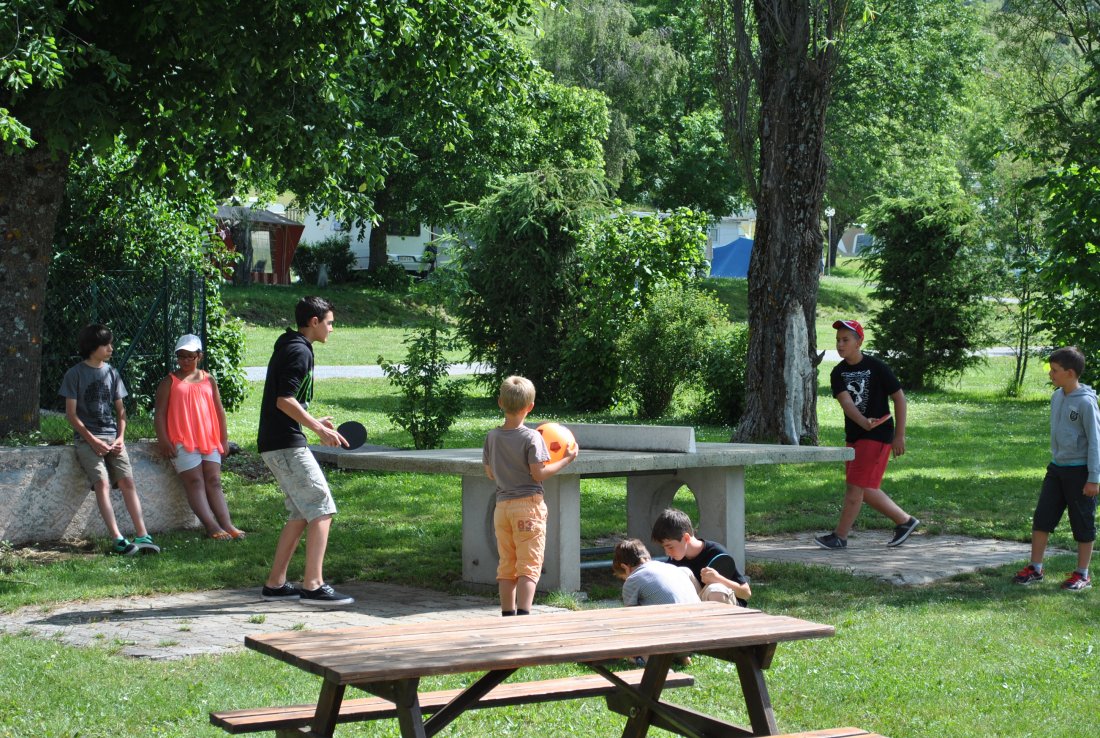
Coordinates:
1073 473
516 458
719 578
649 582
93 392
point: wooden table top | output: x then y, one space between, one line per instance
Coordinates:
371 653
590 461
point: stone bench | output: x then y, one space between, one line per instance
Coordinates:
45 496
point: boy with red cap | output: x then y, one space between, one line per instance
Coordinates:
863 385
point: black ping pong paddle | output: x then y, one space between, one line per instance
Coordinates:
354 432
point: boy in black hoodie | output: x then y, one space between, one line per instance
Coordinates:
284 409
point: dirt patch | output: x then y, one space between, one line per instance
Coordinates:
13 558
248 466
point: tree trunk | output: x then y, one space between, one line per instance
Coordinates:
378 253
32 185
781 381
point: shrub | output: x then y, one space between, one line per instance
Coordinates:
388 277
523 275
723 377
929 272
665 348
334 252
429 401
624 259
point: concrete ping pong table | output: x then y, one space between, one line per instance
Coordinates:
656 460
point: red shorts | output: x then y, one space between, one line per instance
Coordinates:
869 466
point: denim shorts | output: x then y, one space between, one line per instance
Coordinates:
185 460
302 481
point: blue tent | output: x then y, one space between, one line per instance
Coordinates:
732 260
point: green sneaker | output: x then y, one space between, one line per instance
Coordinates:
123 547
144 540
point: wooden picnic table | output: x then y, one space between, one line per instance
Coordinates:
389 661
664 459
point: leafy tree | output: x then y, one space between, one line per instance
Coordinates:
929 273
624 260
599 45
221 96
522 278
1058 48
1071 275
110 221
903 91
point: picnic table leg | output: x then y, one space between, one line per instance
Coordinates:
328 709
750 668
653 681
403 694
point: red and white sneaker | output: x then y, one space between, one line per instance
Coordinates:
1076 582
1027 575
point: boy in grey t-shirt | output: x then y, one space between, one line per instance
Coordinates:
516 458
93 392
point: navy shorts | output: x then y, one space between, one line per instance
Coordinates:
1063 489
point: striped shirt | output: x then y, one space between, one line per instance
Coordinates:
658 583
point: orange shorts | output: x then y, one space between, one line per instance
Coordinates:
520 527
869 465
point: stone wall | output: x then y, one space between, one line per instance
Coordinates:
45 496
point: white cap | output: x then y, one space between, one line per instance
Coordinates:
189 342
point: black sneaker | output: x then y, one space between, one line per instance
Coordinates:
325 596
831 541
901 532
285 591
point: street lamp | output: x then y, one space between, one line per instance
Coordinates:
829 213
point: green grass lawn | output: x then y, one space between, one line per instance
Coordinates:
971 656
974 655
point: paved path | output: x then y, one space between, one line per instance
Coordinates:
192 623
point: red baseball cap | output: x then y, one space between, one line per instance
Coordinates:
852 325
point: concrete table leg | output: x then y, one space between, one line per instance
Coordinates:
562 566
719 493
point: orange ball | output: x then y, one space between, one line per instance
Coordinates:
558 439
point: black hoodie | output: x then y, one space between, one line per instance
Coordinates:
289 374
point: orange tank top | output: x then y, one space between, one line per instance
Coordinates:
193 416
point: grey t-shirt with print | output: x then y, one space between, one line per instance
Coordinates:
95 390
510 453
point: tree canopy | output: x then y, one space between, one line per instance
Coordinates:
221 96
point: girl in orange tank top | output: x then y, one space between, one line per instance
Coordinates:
192 433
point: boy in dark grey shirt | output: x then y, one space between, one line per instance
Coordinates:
516 458
93 392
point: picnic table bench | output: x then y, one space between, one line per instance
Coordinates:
656 460
390 661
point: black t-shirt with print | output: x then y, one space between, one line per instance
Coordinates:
289 374
870 383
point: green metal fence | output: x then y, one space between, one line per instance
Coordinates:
146 313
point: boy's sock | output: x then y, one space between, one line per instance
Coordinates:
1083 572
522 612
507 613
1038 567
